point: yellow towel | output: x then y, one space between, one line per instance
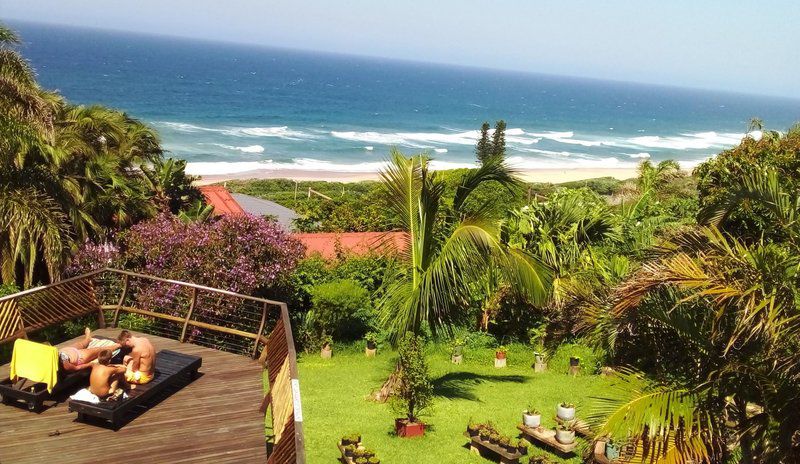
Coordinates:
35 362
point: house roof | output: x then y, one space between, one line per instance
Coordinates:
260 207
360 243
222 201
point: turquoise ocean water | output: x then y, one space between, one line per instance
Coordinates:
229 108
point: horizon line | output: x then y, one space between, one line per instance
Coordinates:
396 59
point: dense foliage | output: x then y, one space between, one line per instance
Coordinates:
341 308
67 173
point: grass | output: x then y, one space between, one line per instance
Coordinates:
334 396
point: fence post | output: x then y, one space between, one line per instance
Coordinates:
121 300
260 329
189 314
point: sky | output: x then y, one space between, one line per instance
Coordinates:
740 46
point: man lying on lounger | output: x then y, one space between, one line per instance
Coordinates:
140 365
106 380
79 355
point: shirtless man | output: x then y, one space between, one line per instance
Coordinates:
106 378
79 356
140 365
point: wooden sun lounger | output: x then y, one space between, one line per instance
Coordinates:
171 367
34 394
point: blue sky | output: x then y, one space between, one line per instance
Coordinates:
740 46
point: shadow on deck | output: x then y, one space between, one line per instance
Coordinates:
214 418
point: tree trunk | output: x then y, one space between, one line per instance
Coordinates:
389 387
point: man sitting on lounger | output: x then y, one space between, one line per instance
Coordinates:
140 365
106 379
79 355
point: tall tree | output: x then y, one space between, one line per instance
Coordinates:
483 149
499 140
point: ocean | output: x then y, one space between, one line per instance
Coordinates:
230 108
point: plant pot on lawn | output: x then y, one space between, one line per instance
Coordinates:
531 418
574 365
566 411
457 356
405 428
372 344
326 352
500 357
565 435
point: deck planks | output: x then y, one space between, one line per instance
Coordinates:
215 418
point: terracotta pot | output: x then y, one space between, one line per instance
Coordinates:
500 355
407 429
326 352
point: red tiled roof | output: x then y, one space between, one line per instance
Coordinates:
360 243
222 201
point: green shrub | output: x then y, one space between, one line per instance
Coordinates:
590 357
7 289
414 392
341 308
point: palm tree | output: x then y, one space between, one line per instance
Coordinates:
446 254
729 310
652 178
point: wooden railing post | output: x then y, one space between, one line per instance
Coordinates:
260 329
125 283
189 314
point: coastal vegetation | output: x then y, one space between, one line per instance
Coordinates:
681 289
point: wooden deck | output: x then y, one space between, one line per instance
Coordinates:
215 418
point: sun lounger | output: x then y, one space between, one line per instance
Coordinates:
34 394
171 368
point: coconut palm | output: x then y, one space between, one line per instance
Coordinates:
446 254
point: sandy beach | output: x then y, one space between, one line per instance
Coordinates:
554 176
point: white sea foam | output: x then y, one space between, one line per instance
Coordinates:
245 149
642 155
440 150
301 164
270 131
369 148
424 140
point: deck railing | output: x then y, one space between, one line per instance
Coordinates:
187 312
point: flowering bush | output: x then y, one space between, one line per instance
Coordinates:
243 254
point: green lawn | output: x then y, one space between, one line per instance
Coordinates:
334 400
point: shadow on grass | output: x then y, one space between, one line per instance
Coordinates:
460 385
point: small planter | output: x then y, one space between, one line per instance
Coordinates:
532 420
458 350
539 357
473 431
370 352
407 429
574 361
523 449
612 451
326 352
565 437
371 345
456 359
499 355
566 413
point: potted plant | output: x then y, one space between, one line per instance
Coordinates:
494 438
522 446
372 344
531 418
373 460
457 354
612 450
351 439
326 352
361 460
484 434
500 356
574 361
507 444
540 459
536 336
349 449
414 390
565 434
473 429
566 411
